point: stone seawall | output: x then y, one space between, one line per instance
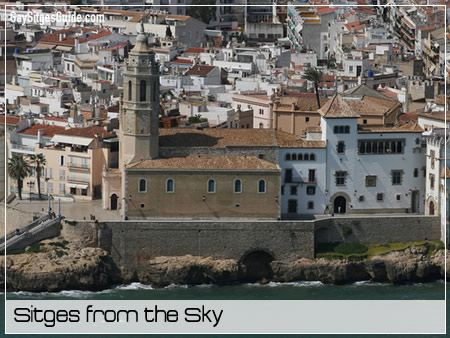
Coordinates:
378 229
132 243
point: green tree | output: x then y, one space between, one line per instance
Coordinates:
205 13
39 162
315 76
19 169
195 119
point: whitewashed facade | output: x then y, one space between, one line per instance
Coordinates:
363 171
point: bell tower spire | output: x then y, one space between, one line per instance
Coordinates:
139 112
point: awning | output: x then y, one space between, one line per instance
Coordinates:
79 186
82 141
64 48
44 46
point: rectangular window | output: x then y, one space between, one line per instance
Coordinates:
288 175
84 192
312 175
340 147
73 191
341 129
310 205
292 206
398 197
431 181
62 160
261 112
293 190
311 190
62 188
371 181
50 187
375 147
397 177
62 175
341 177
50 172
380 196
307 119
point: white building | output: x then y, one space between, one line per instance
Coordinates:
353 171
436 169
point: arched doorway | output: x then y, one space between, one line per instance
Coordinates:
431 208
340 205
113 202
257 266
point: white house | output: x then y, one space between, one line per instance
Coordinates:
359 170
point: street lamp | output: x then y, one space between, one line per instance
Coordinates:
30 184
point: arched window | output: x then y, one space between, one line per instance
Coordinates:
143 91
294 157
237 186
306 157
142 185
300 157
211 186
129 90
288 157
312 157
261 186
170 185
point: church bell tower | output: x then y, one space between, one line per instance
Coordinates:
139 109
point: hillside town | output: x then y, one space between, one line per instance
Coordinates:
256 109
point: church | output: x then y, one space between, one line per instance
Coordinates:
185 173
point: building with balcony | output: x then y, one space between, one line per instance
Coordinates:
75 160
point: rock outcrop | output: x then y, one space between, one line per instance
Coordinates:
395 267
59 267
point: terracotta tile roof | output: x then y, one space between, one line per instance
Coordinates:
54 38
206 163
9 119
195 50
303 101
407 117
337 107
435 116
410 127
286 140
54 118
49 131
356 25
176 137
187 61
200 70
372 106
89 132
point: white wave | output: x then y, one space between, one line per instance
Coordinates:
177 286
281 284
134 286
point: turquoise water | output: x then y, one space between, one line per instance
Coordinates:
299 290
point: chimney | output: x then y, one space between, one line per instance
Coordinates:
40 135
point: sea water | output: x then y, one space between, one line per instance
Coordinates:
270 291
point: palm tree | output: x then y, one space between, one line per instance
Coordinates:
39 161
315 76
19 169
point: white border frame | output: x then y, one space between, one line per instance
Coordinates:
300 5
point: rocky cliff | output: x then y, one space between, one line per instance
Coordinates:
60 267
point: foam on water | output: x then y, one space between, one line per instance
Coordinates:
134 286
281 284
